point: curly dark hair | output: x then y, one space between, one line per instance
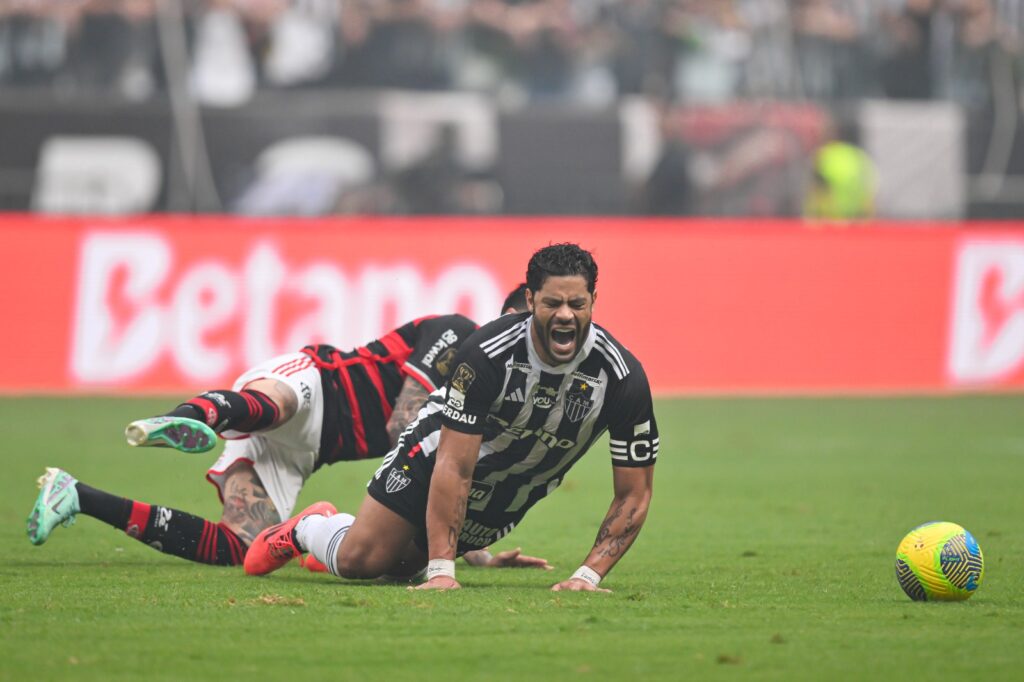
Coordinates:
561 260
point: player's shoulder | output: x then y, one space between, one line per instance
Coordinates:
619 358
437 325
500 333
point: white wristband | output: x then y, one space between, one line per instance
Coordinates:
588 574
436 567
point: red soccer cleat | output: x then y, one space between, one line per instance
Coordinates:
275 546
314 565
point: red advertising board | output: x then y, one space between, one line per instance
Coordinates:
178 304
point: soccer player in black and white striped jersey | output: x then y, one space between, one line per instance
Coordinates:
529 395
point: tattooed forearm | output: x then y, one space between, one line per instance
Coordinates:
460 517
408 404
617 543
605 530
617 532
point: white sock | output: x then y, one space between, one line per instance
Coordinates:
322 535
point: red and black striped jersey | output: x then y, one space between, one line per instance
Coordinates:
360 386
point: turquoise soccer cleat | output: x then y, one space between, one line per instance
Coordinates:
180 433
57 504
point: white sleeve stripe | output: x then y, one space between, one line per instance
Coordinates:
612 440
620 368
504 347
412 369
603 338
611 361
511 331
618 449
611 346
500 338
622 457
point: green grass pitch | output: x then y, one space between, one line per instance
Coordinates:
768 554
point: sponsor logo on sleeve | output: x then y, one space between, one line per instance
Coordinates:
456 399
459 416
579 400
444 362
448 338
463 378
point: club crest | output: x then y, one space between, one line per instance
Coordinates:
579 400
397 480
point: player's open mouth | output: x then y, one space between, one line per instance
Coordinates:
563 341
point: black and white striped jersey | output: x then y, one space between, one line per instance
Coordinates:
537 420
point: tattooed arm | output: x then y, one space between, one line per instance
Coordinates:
446 501
247 507
633 488
410 400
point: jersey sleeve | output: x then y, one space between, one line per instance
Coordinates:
433 354
473 385
632 428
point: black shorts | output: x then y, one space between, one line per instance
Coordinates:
401 484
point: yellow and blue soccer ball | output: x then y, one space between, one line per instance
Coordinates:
939 561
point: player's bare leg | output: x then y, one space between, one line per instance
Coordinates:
379 542
167 530
248 508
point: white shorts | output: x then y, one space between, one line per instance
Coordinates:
283 457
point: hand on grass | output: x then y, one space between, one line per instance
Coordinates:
439 582
577 585
514 558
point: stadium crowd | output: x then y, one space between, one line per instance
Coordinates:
587 51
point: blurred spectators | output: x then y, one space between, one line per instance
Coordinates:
593 54
588 51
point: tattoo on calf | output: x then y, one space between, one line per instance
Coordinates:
248 508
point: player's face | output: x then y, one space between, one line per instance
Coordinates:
561 309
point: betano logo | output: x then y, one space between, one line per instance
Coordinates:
987 321
140 303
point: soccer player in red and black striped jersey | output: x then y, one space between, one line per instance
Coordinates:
282 420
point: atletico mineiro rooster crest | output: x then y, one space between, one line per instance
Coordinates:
579 400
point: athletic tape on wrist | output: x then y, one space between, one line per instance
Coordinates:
436 567
588 574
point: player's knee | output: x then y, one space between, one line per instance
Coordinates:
354 565
357 561
283 397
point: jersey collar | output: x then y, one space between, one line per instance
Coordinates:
588 345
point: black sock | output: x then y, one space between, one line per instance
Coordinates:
245 410
110 509
164 529
189 411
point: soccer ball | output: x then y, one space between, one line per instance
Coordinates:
939 561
